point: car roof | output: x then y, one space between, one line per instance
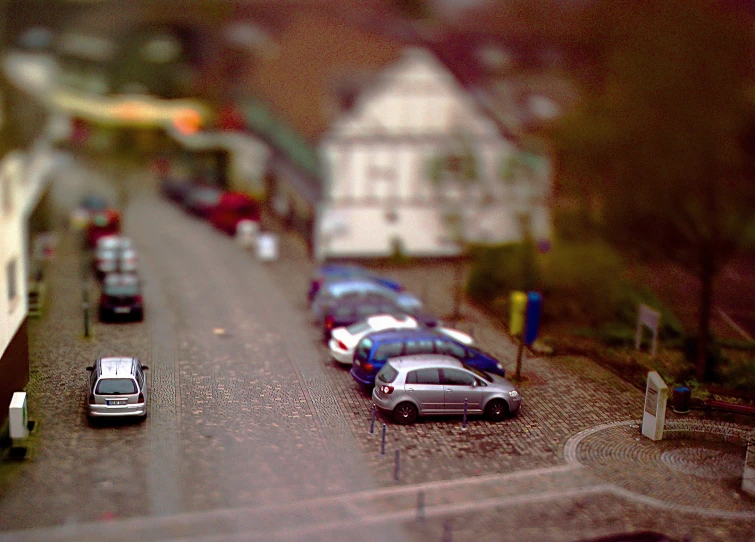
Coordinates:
408 333
354 301
389 319
423 360
116 367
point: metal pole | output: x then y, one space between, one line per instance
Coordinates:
86 312
421 506
447 531
519 353
372 420
382 444
396 467
464 419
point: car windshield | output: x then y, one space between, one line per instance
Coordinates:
116 386
359 327
208 195
481 374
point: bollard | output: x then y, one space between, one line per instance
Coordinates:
421 506
447 531
372 420
382 444
396 467
85 306
464 419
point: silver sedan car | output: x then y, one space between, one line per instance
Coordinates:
428 384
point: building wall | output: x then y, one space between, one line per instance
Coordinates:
14 366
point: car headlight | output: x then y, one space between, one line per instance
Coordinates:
499 366
514 394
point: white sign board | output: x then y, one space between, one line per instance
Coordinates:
17 416
654 415
649 318
267 246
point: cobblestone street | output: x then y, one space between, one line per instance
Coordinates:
254 433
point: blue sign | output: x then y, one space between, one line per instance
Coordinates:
534 308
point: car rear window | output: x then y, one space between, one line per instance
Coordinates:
359 327
387 374
116 386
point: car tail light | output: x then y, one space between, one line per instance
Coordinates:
386 389
138 299
342 346
141 398
368 367
329 322
91 398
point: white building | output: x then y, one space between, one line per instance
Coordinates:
385 187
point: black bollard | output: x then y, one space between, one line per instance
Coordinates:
382 444
372 420
464 419
396 467
447 531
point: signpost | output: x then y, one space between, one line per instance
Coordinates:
649 318
525 320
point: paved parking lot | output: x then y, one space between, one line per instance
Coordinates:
236 430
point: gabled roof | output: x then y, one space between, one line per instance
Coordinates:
314 53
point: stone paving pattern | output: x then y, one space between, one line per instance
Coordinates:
242 377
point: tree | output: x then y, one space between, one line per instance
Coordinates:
659 136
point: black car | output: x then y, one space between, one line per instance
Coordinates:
352 309
201 198
121 298
174 189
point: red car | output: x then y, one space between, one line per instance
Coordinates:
231 209
102 223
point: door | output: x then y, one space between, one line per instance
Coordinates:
424 386
459 385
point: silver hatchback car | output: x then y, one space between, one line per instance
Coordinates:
117 387
426 384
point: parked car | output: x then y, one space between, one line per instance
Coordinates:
101 224
93 203
345 339
117 387
424 385
121 298
355 308
232 208
200 199
330 292
346 271
109 255
376 348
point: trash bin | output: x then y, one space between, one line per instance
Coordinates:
680 400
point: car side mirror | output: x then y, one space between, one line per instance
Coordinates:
145 368
90 368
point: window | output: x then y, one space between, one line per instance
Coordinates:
449 348
419 347
423 376
11 276
116 386
387 374
454 377
388 350
363 350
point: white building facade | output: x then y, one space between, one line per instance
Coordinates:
382 194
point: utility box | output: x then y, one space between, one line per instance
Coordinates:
532 315
18 418
518 310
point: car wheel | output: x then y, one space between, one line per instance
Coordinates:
496 410
405 413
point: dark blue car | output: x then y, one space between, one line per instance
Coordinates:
346 271
376 348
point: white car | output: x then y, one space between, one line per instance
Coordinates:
345 339
109 252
